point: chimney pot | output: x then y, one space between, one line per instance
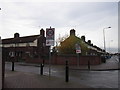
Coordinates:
16 35
89 41
72 32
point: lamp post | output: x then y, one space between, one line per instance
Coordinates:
104 36
109 44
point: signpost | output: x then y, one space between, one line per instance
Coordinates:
50 34
78 51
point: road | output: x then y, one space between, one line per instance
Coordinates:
95 79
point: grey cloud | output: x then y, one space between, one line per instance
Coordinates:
85 16
57 14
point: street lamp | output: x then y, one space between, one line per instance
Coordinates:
104 36
109 44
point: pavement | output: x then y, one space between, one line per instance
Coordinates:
19 79
111 64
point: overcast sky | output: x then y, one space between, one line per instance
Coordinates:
87 18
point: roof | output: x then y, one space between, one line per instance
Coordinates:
25 39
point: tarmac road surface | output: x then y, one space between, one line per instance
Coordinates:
95 79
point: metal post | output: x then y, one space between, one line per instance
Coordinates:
43 62
49 61
104 39
78 59
89 64
1 66
3 72
41 71
43 54
12 65
67 72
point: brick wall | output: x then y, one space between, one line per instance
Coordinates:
60 60
83 60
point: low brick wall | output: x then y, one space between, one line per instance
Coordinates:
72 59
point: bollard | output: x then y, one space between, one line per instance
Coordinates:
41 71
88 64
43 62
67 72
12 66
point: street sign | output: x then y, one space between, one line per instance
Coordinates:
50 33
49 42
78 49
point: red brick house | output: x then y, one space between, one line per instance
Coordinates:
22 47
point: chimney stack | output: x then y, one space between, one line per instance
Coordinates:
89 41
72 32
16 35
83 38
42 32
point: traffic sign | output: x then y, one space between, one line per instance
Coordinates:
50 36
50 32
78 49
49 42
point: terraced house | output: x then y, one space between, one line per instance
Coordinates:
33 49
22 47
87 48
